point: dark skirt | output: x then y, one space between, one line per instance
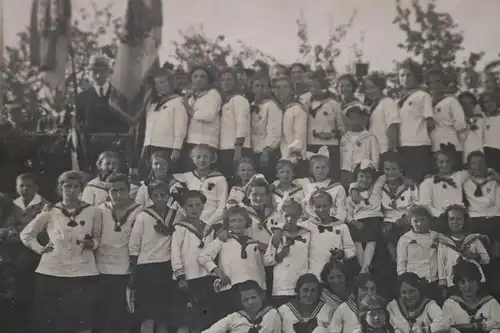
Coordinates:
492 158
63 303
370 231
154 288
195 307
489 226
393 233
225 161
111 303
269 170
416 162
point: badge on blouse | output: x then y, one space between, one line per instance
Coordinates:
359 144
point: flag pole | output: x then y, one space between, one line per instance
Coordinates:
74 123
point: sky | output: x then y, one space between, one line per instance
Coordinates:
270 25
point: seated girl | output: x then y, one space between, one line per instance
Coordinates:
285 183
307 313
346 317
373 315
365 216
254 317
471 309
458 244
334 278
412 311
288 253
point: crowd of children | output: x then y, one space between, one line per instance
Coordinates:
270 207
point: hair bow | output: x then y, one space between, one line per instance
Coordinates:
322 152
253 179
366 164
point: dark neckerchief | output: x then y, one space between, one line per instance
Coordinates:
164 224
119 222
405 96
200 234
164 100
412 318
394 195
71 216
446 180
471 311
437 99
244 241
256 323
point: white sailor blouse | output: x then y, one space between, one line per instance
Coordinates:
428 315
355 148
472 138
491 131
112 256
294 139
235 122
451 249
456 311
266 125
238 257
482 196
204 124
369 206
262 224
67 229
346 317
331 299
325 239
267 321
395 203
439 192
417 253
324 116
151 235
336 191
95 192
289 269
293 322
215 189
187 244
295 192
450 121
383 114
166 123
414 108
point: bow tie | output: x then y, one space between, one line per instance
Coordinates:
291 240
449 181
256 326
323 228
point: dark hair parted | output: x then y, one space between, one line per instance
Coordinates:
331 265
413 280
308 278
465 269
419 210
248 285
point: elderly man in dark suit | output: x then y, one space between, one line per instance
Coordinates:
102 127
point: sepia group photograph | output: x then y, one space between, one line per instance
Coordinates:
235 166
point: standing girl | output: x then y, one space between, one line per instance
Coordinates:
384 118
457 244
325 123
203 107
112 256
490 103
266 127
417 122
235 124
151 270
166 120
64 288
473 136
211 183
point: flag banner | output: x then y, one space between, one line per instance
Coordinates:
136 57
50 36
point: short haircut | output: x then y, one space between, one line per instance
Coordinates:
393 157
467 94
419 210
193 194
28 176
237 210
475 153
248 285
67 176
413 280
107 154
464 269
155 185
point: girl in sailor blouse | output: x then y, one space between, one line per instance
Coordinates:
417 122
412 311
266 127
325 123
238 260
471 309
203 107
346 316
298 77
64 285
112 256
254 317
95 192
245 170
334 277
294 140
285 183
473 137
288 253
384 118
319 167
235 124
189 239
448 115
373 315
458 244
208 181
307 313
330 237
167 119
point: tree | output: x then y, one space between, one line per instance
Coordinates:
322 55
